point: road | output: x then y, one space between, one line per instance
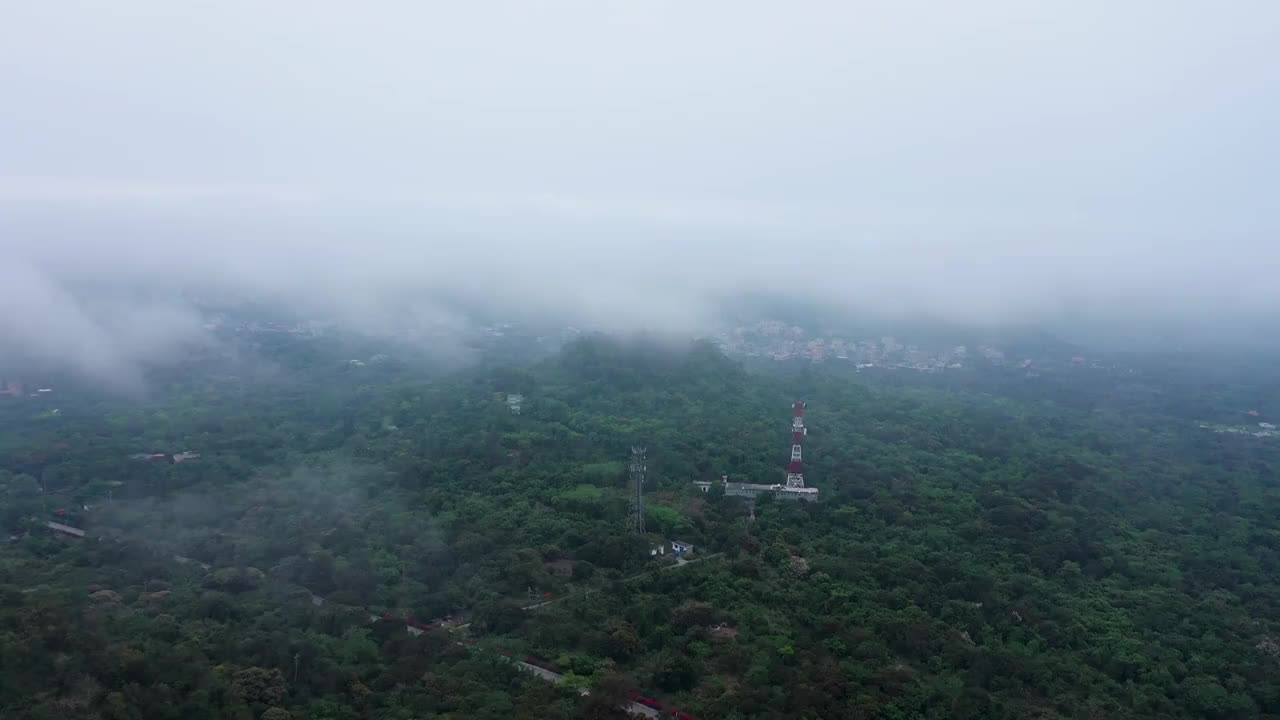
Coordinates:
633 578
665 568
557 678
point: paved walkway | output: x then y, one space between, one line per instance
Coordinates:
557 678
679 564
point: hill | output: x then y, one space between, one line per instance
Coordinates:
980 552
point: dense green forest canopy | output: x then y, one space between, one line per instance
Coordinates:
988 545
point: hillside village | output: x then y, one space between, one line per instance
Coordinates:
778 341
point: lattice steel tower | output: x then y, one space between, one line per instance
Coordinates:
795 469
635 518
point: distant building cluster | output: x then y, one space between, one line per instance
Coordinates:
776 340
771 339
514 401
221 322
15 388
164 457
1261 430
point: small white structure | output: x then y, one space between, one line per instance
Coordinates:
514 401
754 490
64 529
681 548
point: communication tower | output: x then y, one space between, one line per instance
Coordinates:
635 519
795 469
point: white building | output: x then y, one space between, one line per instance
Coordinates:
752 490
514 400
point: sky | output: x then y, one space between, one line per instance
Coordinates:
631 164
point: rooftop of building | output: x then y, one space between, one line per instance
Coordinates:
777 487
59 527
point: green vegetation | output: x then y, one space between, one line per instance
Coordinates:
986 547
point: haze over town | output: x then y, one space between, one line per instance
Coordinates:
604 359
633 166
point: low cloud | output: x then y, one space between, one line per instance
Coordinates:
105 337
630 168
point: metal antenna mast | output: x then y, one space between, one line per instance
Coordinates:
635 519
795 468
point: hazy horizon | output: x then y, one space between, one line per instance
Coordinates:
633 166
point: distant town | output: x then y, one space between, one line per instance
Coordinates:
766 340
776 340
1259 430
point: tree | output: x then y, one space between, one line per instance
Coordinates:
675 673
258 685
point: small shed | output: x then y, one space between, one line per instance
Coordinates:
723 631
681 548
65 529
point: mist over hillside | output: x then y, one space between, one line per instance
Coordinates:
1067 170
599 360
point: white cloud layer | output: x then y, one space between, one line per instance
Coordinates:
626 163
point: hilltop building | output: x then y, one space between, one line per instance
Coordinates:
794 487
64 529
753 490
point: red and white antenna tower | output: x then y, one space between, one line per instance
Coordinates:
795 469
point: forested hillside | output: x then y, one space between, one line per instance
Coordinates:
984 547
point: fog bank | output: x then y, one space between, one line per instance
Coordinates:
631 166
